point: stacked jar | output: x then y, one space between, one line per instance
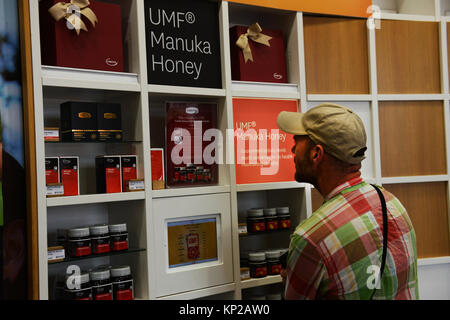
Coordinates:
273 262
119 237
284 218
122 283
255 220
271 219
257 264
78 242
100 239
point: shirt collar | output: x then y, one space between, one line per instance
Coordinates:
345 185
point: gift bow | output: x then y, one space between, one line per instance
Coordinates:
254 34
66 10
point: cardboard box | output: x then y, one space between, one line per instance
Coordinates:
269 63
109 177
69 175
78 121
99 48
109 122
129 169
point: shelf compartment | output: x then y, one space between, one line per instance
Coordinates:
407 9
110 254
95 198
427 207
252 283
408 57
182 192
337 48
270 186
424 149
93 79
265 90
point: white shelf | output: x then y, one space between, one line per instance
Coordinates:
433 261
265 90
269 186
181 192
411 97
95 198
340 97
252 283
414 179
200 293
409 17
185 91
91 79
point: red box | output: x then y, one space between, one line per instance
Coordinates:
100 48
69 172
129 170
109 178
51 170
269 63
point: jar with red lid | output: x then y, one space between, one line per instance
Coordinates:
255 220
271 219
284 218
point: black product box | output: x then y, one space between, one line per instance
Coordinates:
109 177
79 121
109 122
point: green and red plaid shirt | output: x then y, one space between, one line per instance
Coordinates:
331 253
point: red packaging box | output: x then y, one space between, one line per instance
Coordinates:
269 63
51 170
69 175
109 178
129 169
99 48
157 160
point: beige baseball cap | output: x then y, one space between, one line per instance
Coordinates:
337 128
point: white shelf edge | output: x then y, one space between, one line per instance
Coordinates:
269 186
340 97
265 90
415 179
433 261
186 91
92 79
193 191
409 17
412 97
195 294
252 283
95 198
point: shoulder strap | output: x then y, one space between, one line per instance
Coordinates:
385 234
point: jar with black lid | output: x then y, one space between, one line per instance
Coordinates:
101 284
255 220
78 242
199 171
257 264
273 262
271 219
183 175
119 237
122 283
100 242
83 292
284 218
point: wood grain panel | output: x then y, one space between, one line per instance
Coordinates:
427 207
336 55
408 57
316 198
412 138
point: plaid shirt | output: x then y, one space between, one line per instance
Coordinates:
331 253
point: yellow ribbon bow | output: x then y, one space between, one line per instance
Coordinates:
72 11
254 34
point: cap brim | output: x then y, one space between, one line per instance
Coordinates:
291 122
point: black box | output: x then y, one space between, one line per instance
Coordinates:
109 122
109 177
78 121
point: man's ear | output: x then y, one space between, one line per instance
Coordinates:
317 154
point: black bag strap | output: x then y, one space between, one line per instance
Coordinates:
385 234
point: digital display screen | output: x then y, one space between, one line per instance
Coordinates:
192 242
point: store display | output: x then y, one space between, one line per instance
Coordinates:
109 122
97 46
119 237
270 217
51 134
255 220
157 161
102 288
78 243
122 283
257 54
69 175
258 265
180 50
109 178
100 241
78 121
284 218
128 165
51 170
191 158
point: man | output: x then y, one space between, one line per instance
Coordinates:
337 252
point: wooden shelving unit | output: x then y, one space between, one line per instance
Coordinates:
396 78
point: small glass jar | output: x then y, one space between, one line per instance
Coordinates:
83 292
199 171
176 175
271 219
273 262
100 242
183 175
255 220
257 264
207 177
78 242
119 237
122 283
284 218
101 284
191 173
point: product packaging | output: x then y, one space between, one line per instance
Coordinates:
109 122
69 175
108 174
78 121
